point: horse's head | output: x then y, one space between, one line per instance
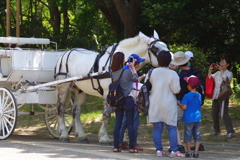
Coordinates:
155 46
144 46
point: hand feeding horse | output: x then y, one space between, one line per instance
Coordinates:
80 61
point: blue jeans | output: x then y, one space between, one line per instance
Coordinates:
192 129
124 125
119 112
157 136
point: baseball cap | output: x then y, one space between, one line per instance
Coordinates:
136 58
189 53
193 81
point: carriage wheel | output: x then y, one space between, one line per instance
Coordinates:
51 119
8 113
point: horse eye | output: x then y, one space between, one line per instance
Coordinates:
154 49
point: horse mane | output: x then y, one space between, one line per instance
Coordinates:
136 42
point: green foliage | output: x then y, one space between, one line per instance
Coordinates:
212 26
200 60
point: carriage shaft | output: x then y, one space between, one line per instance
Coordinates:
28 88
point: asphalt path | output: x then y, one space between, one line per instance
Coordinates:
29 145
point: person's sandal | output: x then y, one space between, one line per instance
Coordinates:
116 150
133 151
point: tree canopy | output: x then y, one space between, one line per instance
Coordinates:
212 27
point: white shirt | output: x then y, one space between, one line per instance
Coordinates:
163 102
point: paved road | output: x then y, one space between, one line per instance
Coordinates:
26 145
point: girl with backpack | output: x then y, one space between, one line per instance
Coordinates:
126 80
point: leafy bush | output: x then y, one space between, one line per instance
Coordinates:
200 60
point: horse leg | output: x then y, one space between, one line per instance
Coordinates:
79 100
63 91
103 134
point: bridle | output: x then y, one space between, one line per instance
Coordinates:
154 50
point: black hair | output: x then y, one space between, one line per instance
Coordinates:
228 61
164 58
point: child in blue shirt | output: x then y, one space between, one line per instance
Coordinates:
191 104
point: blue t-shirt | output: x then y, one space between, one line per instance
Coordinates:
193 101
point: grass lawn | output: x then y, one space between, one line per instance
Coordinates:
91 119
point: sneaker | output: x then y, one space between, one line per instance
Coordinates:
123 146
181 148
230 135
176 154
161 153
138 148
195 155
215 133
201 148
188 155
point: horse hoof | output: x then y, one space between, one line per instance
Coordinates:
82 140
65 140
106 144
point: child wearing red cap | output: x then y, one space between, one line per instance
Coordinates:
191 104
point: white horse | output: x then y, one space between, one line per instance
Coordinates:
81 62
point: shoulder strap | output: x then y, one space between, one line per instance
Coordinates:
121 74
149 73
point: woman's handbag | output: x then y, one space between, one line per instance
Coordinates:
210 84
225 90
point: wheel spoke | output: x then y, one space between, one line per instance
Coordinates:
10 111
7 115
8 105
1 127
54 120
1 106
4 127
68 109
5 99
6 120
67 121
67 115
51 118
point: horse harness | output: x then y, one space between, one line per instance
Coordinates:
94 68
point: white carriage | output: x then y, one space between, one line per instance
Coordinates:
27 77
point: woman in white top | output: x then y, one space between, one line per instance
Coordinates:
163 109
223 73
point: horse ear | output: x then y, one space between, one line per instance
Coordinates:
146 38
155 34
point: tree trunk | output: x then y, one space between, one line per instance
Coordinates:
66 23
55 19
128 12
108 8
121 12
